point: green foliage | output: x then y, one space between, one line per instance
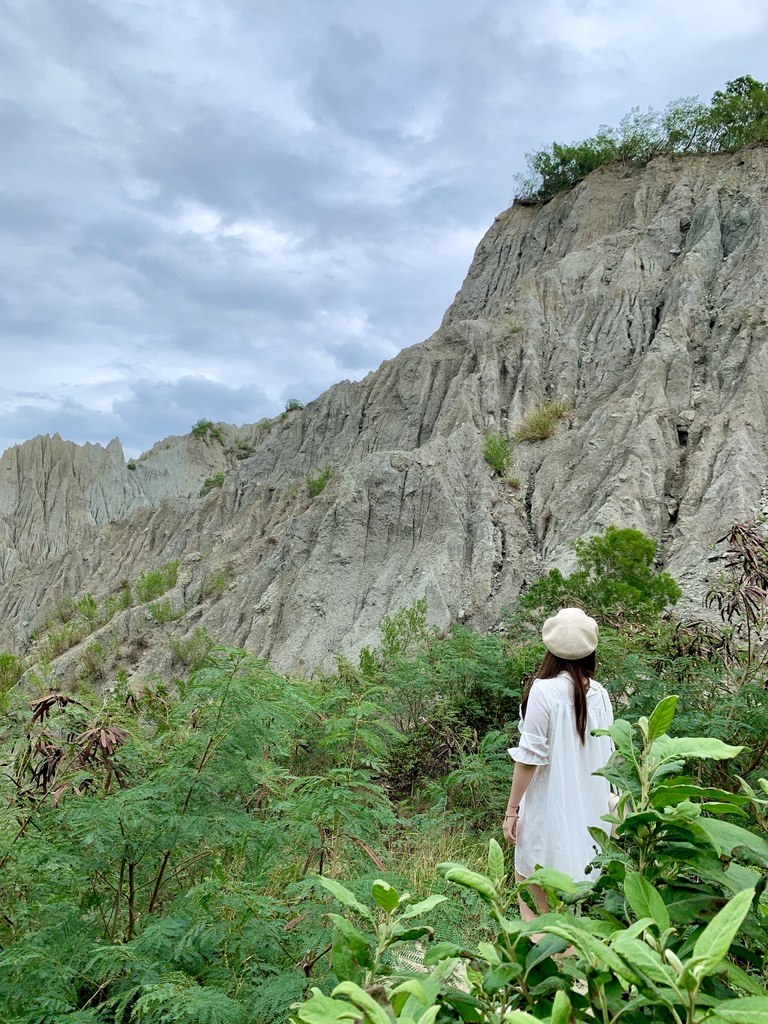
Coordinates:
87 607
497 452
192 652
163 611
614 578
158 843
132 466
206 430
293 405
93 663
542 422
736 116
241 450
667 933
151 585
135 843
212 483
11 670
316 482
405 631
115 603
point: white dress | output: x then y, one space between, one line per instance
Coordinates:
563 798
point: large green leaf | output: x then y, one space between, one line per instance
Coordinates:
551 878
500 976
750 1010
645 900
385 895
357 942
713 944
400 995
402 933
488 952
374 1013
442 951
546 947
678 748
561 1009
321 1009
429 1016
347 898
472 880
726 837
621 734
495 862
672 791
423 907
644 960
662 716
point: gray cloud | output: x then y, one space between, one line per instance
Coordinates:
196 199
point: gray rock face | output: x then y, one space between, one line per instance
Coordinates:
639 299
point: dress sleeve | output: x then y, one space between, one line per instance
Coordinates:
533 747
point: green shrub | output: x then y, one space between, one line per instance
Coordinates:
614 579
241 450
497 452
316 482
93 663
211 483
114 603
132 466
736 116
57 641
87 607
192 652
205 430
163 611
11 670
66 610
293 405
542 422
151 585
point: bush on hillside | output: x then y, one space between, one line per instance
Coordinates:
736 116
498 452
542 422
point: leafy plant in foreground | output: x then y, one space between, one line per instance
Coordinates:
674 930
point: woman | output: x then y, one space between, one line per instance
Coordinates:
555 797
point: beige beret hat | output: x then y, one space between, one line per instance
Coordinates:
570 634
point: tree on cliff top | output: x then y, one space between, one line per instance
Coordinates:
736 116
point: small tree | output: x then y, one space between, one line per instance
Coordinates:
614 578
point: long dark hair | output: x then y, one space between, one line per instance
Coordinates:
580 672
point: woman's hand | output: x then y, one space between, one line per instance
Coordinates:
510 828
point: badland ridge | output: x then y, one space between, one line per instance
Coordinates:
638 300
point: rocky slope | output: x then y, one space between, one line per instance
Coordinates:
639 299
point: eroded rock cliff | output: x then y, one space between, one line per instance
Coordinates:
639 299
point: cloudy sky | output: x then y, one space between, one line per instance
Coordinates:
208 207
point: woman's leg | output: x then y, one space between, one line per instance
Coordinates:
540 899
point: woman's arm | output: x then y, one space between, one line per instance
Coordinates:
521 779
